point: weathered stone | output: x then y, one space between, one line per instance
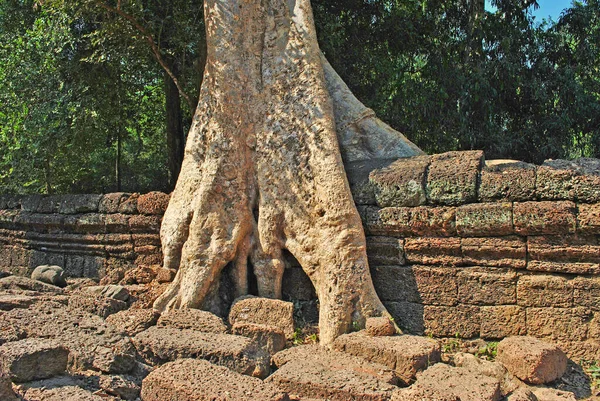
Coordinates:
395 283
402 183
144 224
62 388
487 286
198 380
551 394
558 324
110 202
395 222
405 354
385 251
271 312
194 319
432 221
522 394
153 203
379 326
586 292
33 359
508 251
544 290
433 251
132 321
162 344
564 248
496 370
310 371
572 180
563 267
588 218
408 316
97 305
507 180
117 223
442 382
6 390
79 203
50 275
112 291
122 386
27 284
452 177
269 338
503 321
532 360
436 285
448 321
128 204
534 218
484 219
12 301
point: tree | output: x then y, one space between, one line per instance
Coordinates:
263 170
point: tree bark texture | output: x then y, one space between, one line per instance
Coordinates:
263 168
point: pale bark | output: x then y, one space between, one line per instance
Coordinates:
263 170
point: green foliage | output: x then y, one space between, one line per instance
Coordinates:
489 352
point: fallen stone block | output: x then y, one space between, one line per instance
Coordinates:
442 382
508 383
61 388
532 360
193 319
270 338
452 177
112 291
27 284
49 274
380 327
522 394
405 354
271 312
123 386
163 344
550 394
132 321
33 359
98 305
199 380
309 371
12 301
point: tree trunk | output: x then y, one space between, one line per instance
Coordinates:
175 138
263 169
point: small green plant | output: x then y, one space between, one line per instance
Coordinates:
355 326
593 370
297 337
489 352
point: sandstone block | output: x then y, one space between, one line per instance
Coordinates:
534 218
198 380
573 180
508 251
389 221
484 219
522 394
452 177
588 218
408 316
379 326
33 359
395 283
442 382
117 223
271 312
97 305
110 202
564 267
436 285
450 321
544 290
432 221
144 224
481 286
128 204
89 223
27 284
310 371
433 251
558 324
532 360
79 203
162 344
112 291
587 292
405 354
402 183
564 248
269 338
357 173
123 386
385 251
12 301
193 319
503 321
132 321
551 394
153 203
507 180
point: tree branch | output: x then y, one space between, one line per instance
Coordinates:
155 50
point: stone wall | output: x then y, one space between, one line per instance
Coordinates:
457 246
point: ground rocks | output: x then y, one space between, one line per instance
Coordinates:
405 354
380 326
550 394
194 319
132 321
122 386
49 274
442 382
61 388
270 338
33 359
271 312
27 284
98 305
112 291
199 380
532 360
312 372
6 390
162 344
